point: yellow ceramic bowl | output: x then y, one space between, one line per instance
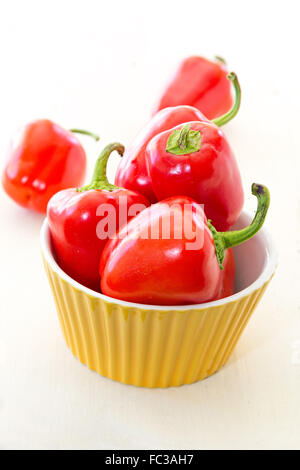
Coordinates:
152 346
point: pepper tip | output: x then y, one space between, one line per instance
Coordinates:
231 76
257 189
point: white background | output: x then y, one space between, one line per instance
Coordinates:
100 65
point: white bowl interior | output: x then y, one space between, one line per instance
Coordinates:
251 257
255 259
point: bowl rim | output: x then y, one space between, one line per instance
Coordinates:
264 276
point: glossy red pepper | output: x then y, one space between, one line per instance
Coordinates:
200 83
196 160
79 223
132 172
45 159
165 270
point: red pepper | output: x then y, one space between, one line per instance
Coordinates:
196 160
46 159
132 172
79 223
165 270
200 83
227 275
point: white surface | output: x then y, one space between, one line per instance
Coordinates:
100 65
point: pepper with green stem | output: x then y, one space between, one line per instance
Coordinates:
196 160
175 270
44 159
133 172
82 220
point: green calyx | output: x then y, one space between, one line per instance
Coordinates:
224 240
83 132
220 121
184 141
99 179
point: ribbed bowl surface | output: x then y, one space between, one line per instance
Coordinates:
149 347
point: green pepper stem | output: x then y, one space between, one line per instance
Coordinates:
220 59
220 121
82 131
224 240
99 178
182 139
